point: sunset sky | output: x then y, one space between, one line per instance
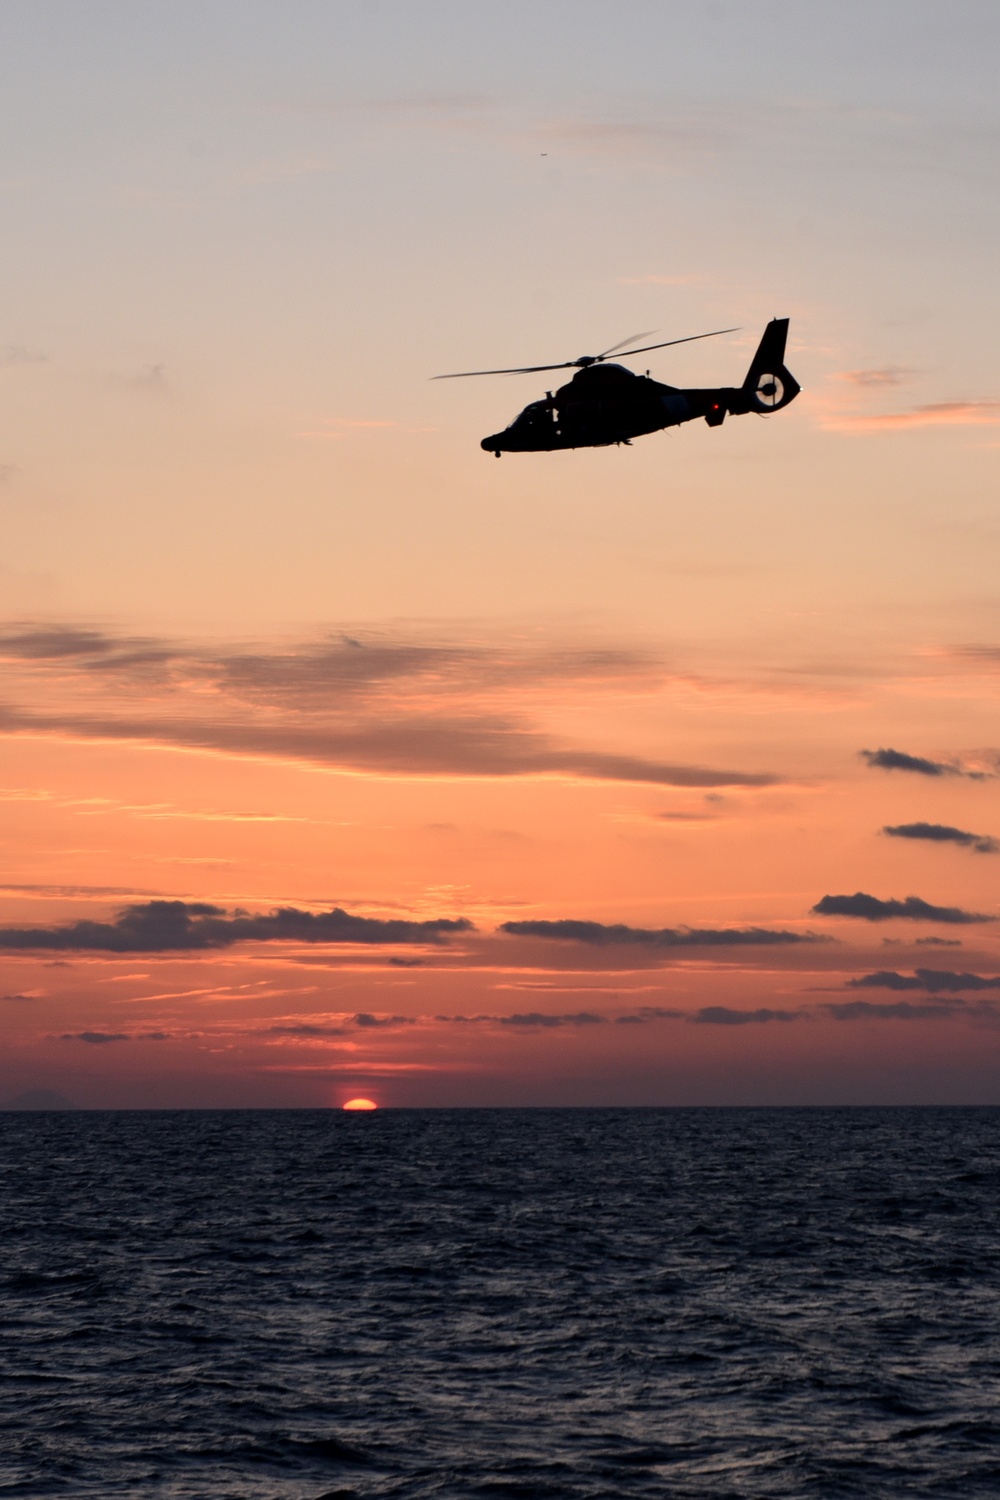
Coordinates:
338 758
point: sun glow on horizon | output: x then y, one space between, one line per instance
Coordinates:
360 1104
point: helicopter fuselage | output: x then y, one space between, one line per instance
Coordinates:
605 404
608 404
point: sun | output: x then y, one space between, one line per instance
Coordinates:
361 1104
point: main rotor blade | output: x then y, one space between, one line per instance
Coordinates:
691 338
567 364
579 364
621 344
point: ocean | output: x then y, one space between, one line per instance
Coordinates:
686 1303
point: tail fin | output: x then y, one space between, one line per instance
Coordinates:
770 383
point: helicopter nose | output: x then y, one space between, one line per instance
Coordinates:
492 444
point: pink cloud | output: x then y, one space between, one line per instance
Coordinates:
934 414
889 375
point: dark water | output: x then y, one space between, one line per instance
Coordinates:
598 1303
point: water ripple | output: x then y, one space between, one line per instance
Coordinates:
451 1304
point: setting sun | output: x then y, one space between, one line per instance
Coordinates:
361 1104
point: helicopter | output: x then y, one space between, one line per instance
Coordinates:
604 404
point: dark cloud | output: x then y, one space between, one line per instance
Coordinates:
647 1013
96 1038
44 643
871 909
978 652
899 1010
550 1021
602 934
898 760
539 1019
391 706
90 652
931 981
885 979
938 942
943 833
599 767
347 665
29 998
721 1015
420 744
168 926
365 1019
305 1028
533 1020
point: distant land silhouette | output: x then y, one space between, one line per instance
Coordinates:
39 1099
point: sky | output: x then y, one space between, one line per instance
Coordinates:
338 758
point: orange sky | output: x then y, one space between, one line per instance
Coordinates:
276 634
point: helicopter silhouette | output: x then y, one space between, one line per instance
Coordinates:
605 403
